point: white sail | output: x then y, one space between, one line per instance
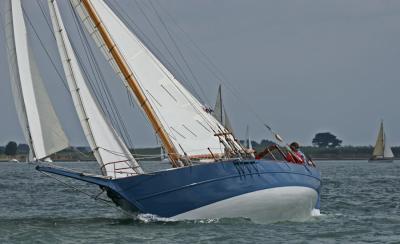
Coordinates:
387 152
39 122
110 151
380 144
248 144
191 129
382 149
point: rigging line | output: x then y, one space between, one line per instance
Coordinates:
162 69
117 117
141 35
95 197
149 100
44 48
38 2
215 70
210 68
178 49
183 73
193 103
206 120
95 89
119 122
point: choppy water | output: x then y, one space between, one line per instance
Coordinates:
360 203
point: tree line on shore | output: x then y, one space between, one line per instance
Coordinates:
325 145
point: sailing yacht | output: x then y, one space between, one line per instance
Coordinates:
232 184
38 120
382 151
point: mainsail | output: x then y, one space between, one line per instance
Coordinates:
110 151
39 122
189 127
381 149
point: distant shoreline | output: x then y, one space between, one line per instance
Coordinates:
315 153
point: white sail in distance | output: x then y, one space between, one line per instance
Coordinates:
39 122
380 144
387 152
191 129
381 149
110 151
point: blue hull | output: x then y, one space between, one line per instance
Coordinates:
172 192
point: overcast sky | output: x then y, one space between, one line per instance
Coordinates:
303 66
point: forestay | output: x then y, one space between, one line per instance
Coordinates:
191 129
110 151
39 122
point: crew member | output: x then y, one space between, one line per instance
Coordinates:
295 155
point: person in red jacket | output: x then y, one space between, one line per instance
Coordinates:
295 155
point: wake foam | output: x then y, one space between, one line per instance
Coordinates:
151 218
315 212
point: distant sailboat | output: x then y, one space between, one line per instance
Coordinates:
40 125
382 151
14 160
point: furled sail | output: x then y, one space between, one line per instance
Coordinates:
110 151
190 127
39 122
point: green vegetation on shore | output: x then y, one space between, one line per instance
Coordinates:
316 153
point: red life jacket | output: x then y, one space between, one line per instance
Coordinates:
298 159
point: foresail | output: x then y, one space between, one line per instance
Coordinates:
14 73
379 145
110 151
42 129
387 152
54 138
191 129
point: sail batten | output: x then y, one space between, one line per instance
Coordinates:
39 122
110 151
172 104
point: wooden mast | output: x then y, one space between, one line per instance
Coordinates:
133 83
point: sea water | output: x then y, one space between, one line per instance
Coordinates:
360 202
